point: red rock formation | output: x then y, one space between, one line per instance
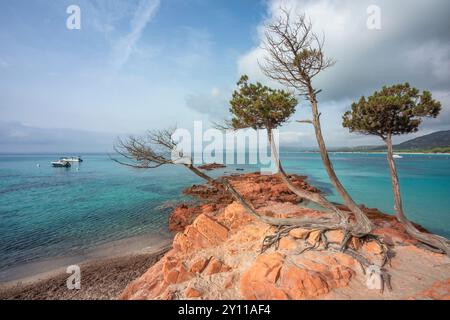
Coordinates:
216 254
440 290
275 276
256 188
212 166
193 293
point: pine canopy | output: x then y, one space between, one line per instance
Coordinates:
260 107
394 110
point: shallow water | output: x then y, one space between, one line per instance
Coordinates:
50 212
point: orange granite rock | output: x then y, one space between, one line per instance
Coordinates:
440 290
203 233
174 271
218 247
299 233
199 265
287 244
193 293
272 276
215 266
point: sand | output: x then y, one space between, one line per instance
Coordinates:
105 272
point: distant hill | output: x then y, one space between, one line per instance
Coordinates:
435 140
433 143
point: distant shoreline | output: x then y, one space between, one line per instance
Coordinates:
366 152
399 152
57 154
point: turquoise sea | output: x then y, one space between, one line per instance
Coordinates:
50 212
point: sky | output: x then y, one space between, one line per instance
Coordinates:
148 64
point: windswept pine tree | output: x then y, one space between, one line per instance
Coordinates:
294 57
257 106
396 110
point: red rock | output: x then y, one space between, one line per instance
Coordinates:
372 247
183 215
313 237
302 284
215 266
257 283
229 281
193 293
271 277
440 290
149 285
223 225
211 229
203 233
299 233
199 265
335 236
174 271
212 166
234 216
287 244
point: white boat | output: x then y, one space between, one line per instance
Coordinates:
72 159
61 164
397 156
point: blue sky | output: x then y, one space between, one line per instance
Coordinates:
86 79
144 64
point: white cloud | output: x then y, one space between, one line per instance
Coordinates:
214 105
126 45
215 92
413 45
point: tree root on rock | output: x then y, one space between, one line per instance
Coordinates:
343 247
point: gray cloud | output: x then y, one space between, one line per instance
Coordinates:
16 137
413 45
214 105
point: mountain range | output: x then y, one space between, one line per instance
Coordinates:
436 142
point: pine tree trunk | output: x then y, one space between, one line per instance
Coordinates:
311 196
363 224
429 239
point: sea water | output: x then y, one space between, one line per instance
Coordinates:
48 212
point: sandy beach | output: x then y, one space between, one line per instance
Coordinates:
105 272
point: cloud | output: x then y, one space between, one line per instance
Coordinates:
126 45
16 137
214 104
413 45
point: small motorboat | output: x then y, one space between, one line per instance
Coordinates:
72 159
397 156
61 164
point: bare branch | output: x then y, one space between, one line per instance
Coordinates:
294 52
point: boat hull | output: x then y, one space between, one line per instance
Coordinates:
61 164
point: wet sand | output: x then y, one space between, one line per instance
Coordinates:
105 272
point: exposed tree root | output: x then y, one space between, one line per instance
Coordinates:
343 247
274 240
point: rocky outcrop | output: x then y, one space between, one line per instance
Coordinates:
275 276
259 189
440 290
217 255
212 166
